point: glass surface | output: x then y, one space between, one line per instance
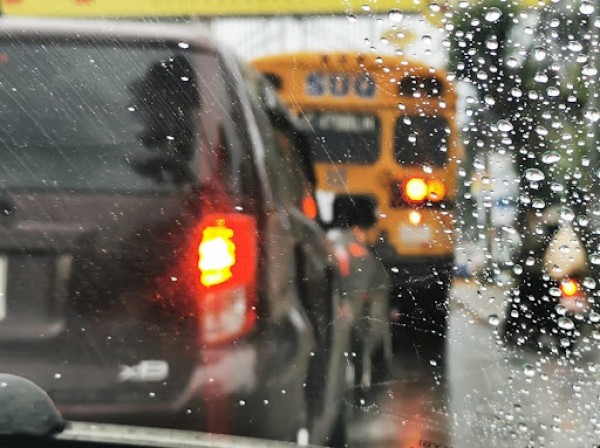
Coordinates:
91 117
343 137
421 140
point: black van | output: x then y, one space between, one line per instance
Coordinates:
148 271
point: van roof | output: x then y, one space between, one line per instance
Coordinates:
111 30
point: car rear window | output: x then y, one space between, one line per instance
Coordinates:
344 137
96 116
421 140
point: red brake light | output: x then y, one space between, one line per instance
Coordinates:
569 287
309 207
216 254
227 263
416 189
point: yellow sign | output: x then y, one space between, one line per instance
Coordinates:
209 8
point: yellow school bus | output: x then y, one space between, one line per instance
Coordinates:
385 128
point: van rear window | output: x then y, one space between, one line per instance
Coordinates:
344 137
421 140
101 116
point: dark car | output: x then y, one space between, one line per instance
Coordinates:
155 267
554 299
364 281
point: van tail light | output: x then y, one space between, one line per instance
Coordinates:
227 263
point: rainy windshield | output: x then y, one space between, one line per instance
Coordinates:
333 223
94 116
421 140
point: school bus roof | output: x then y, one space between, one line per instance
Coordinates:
349 60
388 71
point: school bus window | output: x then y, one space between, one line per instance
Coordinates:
421 140
343 137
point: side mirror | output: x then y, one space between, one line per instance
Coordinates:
350 211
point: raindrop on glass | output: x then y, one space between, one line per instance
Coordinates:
395 15
493 14
539 53
534 175
550 157
505 126
565 323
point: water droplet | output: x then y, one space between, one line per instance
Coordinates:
589 70
512 62
592 115
589 283
242 403
574 46
595 259
567 214
433 362
538 203
494 320
351 17
594 317
493 14
550 157
555 292
152 395
518 269
395 15
534 175
366 8
505 125
556 187
183 45
57 376
541 130
553 91
565 323
539 53
492 44
489 100
586 8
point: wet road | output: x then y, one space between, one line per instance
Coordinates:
472 390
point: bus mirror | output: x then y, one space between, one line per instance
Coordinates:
350 211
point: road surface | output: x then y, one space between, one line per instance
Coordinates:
475 391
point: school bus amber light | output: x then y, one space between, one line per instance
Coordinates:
436 190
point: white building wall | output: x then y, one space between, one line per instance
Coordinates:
262 36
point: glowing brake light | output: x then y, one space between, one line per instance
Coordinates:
227 251
569 287
309 207
216 254
416 189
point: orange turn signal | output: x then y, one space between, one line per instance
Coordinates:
436 190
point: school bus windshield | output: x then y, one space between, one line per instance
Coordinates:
336 137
